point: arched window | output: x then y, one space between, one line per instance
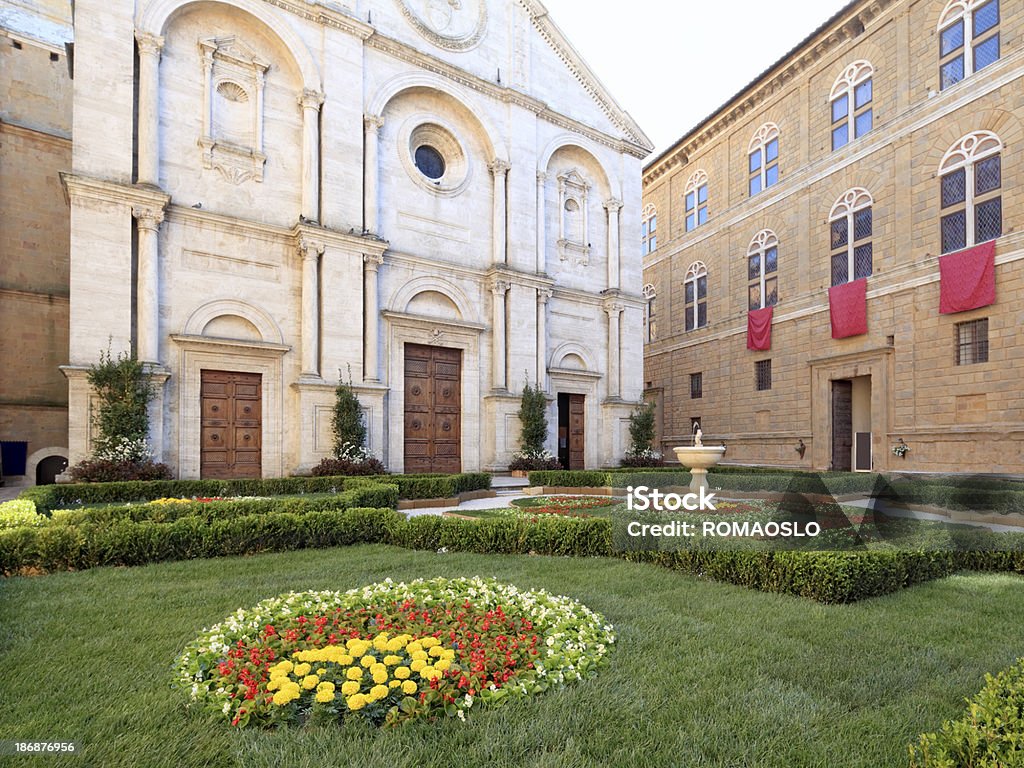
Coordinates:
696 200
649 219
971 178
851 100
763 154
850 229
969 39
696 296
763 270
651 317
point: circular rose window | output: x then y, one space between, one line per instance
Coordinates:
433 156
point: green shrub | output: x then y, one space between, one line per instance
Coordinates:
19 512
569 479
50 497
989 735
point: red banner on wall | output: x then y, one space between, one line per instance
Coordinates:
759 329
968 279
848 307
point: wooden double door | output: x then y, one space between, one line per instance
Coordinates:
232 425
572 443
433 409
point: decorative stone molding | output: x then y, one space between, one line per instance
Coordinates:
310 248
544 295
455 25
310 99
233 86
573 218
149 44
613 205
372 261
148 218
614 308
499 167
372 123
499 287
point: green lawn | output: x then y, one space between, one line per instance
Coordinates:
704 674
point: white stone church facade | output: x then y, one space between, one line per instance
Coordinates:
434 199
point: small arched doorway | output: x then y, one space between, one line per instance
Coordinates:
48 469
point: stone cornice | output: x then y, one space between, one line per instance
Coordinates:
36 134
847 25
429 320
325 16
411 55
134 195
584 75
348 241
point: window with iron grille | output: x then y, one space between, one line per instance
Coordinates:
972 342
852 101
762 270
968 39
763 158
970 182
696 200
696 386
649 225
763 374
851 227
696 298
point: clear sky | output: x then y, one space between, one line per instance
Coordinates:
672 63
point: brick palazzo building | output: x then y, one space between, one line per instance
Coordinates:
801 305
426 196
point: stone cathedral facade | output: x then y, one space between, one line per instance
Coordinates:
436 200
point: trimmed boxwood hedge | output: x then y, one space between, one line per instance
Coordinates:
828 577
989 735
49 497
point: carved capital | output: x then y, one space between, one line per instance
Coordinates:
309 248
372 123
500 287
542 177
372 261
149 44
148 218
613 205
613 308
310 99
499 167
544 295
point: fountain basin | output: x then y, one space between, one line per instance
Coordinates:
698 459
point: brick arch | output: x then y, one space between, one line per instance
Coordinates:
1004 124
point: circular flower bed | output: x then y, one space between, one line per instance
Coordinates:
390 652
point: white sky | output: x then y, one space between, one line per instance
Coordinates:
670 63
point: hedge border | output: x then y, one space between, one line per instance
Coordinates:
50 497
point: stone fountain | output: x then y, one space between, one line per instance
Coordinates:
698 458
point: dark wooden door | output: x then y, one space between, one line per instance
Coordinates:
577 435
433 409
232 426
842 425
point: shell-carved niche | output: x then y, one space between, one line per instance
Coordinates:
233 84
573 223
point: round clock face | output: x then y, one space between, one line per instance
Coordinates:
453 24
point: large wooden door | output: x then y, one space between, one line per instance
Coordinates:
842 425
433 409
577 435
232 427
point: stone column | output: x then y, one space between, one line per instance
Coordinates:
310 251
542 179
371 170
310 102
498 363
149 107
614 311
499 170
543 296
148 221
371 315
613 207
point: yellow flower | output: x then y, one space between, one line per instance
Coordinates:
285 665
321 672
429 642
358 701
274 684
378 692
380 677
344 659
367 661
301 670
395 644
325 697
354 673
380 642
310 682
442 664
282 697
357 647
390 661
394 683
402 673
325 686
419 655
417 665
350 687
437 651
414 646
378 668
409 687
429 673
